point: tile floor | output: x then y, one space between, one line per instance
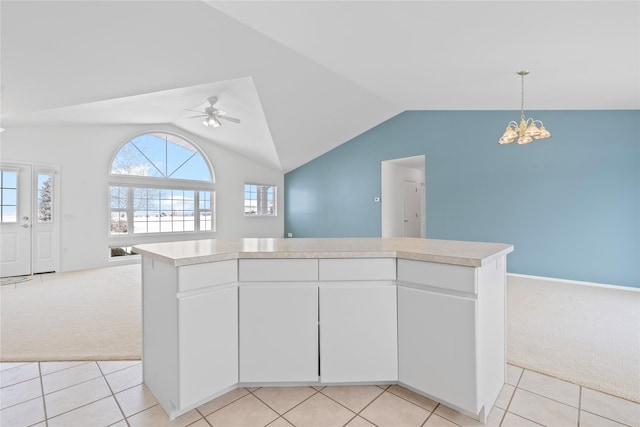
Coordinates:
111 393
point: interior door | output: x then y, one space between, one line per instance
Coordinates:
15 220
411 209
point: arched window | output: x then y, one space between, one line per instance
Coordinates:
159 183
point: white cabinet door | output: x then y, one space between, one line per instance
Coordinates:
208 344
437 346
358 333
278 332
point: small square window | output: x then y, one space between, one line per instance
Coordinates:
259 200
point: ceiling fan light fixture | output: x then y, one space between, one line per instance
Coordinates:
212 115
212 121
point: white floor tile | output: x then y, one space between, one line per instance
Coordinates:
19 374
21 392
550 387
23 414
156 417
108 367
75 396
70 377
135 399
125 378
610 407
101 413
47 368
543 410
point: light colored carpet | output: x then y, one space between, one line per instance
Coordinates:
84 315
583 334
587 335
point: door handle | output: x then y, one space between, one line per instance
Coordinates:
25 225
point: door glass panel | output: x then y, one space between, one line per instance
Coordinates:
8 196
45 197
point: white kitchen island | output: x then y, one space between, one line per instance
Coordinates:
426 314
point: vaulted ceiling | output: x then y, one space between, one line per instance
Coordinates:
306 76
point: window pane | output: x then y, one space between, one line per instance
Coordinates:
9 179
9 214
195 168
161 155
45 197
154 151
140 219
119 222
131 161
9 196
118 199
259 199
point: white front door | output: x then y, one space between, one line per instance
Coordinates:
44 226
15 220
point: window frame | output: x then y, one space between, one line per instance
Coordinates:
132 182
259 215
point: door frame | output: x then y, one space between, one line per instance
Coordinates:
392 175
54 171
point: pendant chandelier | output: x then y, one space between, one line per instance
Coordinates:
527 130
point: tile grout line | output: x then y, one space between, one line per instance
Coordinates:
430 414
44 402
515 388
524 389
579 404
351 410
224 406
369 404
288 410
204 417
413 403
113 396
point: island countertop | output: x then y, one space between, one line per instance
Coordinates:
472 254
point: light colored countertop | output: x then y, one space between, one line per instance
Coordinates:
473 254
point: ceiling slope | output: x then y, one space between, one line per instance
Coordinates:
464 55
306 76
146 62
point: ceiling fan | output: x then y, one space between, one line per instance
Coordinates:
213 114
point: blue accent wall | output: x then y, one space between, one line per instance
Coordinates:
569 204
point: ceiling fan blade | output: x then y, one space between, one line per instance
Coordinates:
231 119
195 111
193 117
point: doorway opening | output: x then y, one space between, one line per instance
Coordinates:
403 197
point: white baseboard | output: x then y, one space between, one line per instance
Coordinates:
572 282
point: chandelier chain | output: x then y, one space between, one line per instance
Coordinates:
522 98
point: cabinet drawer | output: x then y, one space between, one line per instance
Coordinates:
209 274
446 276
357 269
278 270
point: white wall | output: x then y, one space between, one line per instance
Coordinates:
83 155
